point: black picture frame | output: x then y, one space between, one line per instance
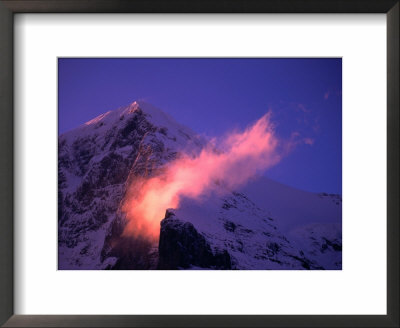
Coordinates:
10 7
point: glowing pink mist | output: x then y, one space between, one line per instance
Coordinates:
240 157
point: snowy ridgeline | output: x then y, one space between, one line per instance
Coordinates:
263 225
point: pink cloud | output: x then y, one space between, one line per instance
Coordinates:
295 134
303 108
308 141
241 155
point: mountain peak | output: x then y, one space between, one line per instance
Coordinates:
116 114
117 117
125 119
145 107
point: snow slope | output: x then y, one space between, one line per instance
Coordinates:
259 229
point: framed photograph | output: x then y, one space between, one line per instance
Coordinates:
199 164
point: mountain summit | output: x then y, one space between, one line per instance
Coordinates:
263 225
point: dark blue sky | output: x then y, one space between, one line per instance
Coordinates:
213 96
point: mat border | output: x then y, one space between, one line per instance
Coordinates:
10 7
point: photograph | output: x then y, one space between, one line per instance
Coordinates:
199 163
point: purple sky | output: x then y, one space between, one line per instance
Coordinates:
213 96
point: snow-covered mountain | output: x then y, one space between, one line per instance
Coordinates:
263 225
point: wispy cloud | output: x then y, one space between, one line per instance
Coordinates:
303 108
308 141
240 156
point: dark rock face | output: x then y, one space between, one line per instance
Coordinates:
131 253
96 198
181 246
